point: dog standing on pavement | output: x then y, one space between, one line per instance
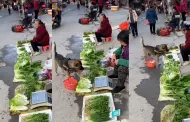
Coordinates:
66 64
154 51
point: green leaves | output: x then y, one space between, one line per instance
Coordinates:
97 109
174 86
90 58
41 117
18 103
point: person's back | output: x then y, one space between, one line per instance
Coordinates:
151 15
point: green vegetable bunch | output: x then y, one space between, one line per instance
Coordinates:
18 103
97 109
20 43
25 67
41 117
84 85
26 72
174 86
90 58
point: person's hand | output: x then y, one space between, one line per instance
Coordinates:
183 45
116 62
113 58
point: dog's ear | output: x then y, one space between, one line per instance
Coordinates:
157 48
166 47
77 63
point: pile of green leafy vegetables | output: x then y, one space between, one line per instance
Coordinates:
97 109
41 117
84 86
90 58
173 87
18 103
26 72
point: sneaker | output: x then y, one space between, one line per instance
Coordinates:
118 89
113 76
99 43
186 63
37 53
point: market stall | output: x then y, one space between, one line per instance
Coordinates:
174 87
94 85
32 77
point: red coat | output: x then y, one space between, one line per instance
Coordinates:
105 28
182 7
187 42
101 2
36 5
42 36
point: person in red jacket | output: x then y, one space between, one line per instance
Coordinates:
36 8
101 5
185 48
105 29
42 37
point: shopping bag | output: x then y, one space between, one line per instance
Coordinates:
124 26
147 22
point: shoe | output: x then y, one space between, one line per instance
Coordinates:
99 43
113 76
37 53
118 89
186 63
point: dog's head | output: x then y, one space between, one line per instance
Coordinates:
76 64
163 48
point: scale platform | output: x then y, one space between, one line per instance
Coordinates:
102 83
41 99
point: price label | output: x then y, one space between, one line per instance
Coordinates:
116 113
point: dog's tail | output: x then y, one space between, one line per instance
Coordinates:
142 41
55 52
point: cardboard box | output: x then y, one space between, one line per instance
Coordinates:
114 8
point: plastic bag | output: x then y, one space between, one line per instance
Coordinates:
43 75
105 62
147 22
124 26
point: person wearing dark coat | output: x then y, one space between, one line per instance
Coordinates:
175 19
151 16
185 48
105 29
42 37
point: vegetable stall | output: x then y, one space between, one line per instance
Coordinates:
97 106
26 74
174 87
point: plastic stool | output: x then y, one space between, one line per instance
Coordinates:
107 39
45 48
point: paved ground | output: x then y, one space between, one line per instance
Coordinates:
8 55
67 106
